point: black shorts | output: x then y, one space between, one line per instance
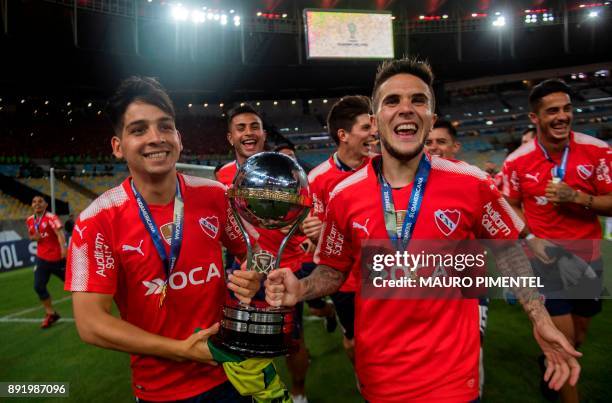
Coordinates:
42 273
561 301
345 308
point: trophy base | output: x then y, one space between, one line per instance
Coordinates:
255 331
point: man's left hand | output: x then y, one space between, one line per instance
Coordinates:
562 365
560 192
245 284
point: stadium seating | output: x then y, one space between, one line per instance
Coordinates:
13 209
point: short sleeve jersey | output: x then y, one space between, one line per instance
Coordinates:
322 180
415 350
227 172
112 253
48 247
527 172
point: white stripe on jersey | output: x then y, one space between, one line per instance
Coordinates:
114 197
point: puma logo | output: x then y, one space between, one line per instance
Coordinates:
534 178
79 230
363 227
129 248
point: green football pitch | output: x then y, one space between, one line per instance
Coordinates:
28 353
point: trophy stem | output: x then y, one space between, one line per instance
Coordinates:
289 234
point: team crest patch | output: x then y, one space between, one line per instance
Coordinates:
447 220
263 261
166 231
585 171
210 226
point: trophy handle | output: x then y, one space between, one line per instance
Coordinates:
286 238
247 239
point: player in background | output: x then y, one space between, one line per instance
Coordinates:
416 350
559 183
351 126
246 135
46 229
442 140
528 135
153 245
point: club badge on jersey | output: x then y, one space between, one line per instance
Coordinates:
169 261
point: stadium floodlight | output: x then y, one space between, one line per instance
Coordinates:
221 105
210 15
593 14
257 103
310 101
189 105
179 12
499 22
232 11
198 17
445 16
325 101
241 103
284 15
205 105
223 19
421 17
89 105
259 13
489 123
275 103
237 20
293 102
23 101
68 103
296 129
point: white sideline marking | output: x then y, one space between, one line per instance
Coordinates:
36 308
31 320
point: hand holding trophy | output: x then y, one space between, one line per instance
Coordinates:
270 191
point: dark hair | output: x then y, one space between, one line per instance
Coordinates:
412 66
545 88
343 114
239 110
136 88
531 130
284 146
445 124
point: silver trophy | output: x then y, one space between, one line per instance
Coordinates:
270 190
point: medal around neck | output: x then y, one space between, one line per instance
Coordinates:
270 191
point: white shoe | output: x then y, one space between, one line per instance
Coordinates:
299 399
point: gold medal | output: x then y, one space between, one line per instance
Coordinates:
162 296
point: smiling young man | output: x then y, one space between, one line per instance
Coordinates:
45 228
247 137
153 245
407 349
442 140
560 182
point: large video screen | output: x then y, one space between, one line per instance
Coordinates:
348 34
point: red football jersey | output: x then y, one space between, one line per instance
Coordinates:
526 173
322 180
415 350
48 247
113 253
227 172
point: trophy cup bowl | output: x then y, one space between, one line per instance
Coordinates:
270 190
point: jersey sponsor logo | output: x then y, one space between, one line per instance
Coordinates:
541 200
363 227
447 220
130 248
603 171
535 178
317 204
210 226
493 222
166 231
231 227
334 241
103 256
514 181
585 171
80 230
179 280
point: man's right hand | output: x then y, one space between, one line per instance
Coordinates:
195 347
538 246
282 288
311 227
